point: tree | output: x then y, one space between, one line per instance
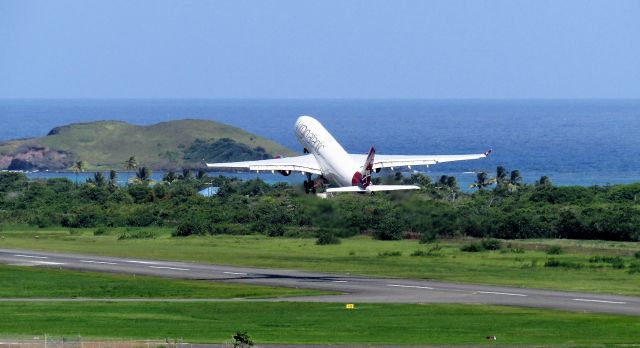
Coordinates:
143 174
129 165
186 174
482 180
501 174
98 179
170 177
113 178
78 167
516 178
544 181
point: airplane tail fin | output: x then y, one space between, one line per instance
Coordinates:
363 177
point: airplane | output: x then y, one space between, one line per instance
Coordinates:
326 158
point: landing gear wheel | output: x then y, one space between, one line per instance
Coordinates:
306 187
313 190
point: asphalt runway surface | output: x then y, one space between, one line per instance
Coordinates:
354 289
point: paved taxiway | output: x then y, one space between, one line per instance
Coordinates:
355 289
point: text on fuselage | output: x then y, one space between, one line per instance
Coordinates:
310 138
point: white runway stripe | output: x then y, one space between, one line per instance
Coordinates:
234 273
173 268
48 263
142 262
31 256
600 301
501 293
410 286
99 262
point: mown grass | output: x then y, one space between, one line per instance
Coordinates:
522 265
28 282
318 323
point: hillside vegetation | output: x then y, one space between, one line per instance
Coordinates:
108 144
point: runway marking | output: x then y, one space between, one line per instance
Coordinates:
599 301
173 268
338 281
234 273
99 262
142 262
500 293
410 286
31 256
48 263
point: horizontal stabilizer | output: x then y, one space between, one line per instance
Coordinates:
372 188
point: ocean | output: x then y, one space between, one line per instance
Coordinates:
574 142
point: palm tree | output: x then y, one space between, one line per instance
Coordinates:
98 179
501 174
78 167
113 178
143 174
170 177
129 165
515 178
186 174
483 180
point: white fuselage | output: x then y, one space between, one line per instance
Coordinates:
335 163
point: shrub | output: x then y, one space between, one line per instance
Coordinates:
554 250
419 253
491 244
472 248
188 228
326 238
552 262
634 268
426 238
100 231
137 234
637 255
390 253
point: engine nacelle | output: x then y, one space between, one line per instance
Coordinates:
285 172
378 170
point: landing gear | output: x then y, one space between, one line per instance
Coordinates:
310 185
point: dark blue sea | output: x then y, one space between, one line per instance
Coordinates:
575 142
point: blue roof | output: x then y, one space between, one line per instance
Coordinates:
209 191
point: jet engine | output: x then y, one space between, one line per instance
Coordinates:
285 172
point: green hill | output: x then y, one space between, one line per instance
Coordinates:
108 144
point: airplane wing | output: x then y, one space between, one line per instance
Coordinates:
303 164
395 161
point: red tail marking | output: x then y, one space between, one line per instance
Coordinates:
363 178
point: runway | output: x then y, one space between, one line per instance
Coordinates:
354 289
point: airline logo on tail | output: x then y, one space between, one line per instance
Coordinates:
363 177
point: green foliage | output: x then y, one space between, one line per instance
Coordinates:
188 228
390 253
472 248
491 244
242 339
327 238
554 250
223 150
553 263
137 234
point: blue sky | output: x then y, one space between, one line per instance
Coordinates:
319 49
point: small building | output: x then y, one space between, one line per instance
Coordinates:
209 191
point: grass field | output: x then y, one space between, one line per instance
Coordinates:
318 323
523 265
27 282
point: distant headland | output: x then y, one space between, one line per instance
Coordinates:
104 145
